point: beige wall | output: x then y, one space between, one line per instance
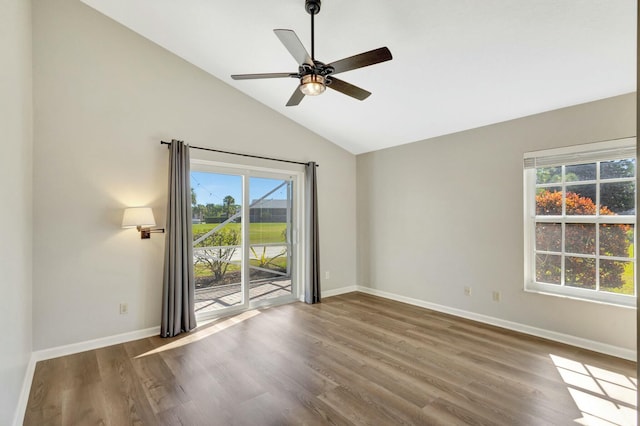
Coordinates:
104 99
440 214
15 207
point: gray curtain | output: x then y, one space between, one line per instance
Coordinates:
312 276
178 282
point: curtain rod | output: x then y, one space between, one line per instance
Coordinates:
242 155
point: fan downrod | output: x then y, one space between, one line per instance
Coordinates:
312 6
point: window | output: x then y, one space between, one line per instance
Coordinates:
580 221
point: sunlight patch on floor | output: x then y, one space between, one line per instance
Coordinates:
604 397
209 330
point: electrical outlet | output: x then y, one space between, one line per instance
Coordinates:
124 308
327 275
496 296
467 291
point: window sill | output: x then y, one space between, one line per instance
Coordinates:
583 299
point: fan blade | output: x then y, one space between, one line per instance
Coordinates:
294 46
362 60
296 98
271 75
348 89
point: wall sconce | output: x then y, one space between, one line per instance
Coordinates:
142 219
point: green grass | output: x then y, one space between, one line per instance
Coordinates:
259 233
200 270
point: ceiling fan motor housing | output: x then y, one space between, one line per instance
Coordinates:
312 6
318 68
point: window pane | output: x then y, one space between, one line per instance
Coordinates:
548 237
580 272
549 175
580 200
217 254
579 172
618 169
616 240
270 222
580 238
616 276
548 269
549 201
617 198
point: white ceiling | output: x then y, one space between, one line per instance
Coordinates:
456 64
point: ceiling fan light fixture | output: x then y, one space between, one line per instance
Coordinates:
312 84
315 76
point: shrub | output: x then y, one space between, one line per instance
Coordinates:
214 219
217 251
613 242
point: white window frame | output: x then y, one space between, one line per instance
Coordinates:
580 154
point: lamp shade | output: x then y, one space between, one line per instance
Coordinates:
138 216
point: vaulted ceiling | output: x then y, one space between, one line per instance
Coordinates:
456 65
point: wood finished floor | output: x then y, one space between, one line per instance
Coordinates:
353 359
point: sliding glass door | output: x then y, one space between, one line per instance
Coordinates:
244 230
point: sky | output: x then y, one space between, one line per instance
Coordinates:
213 187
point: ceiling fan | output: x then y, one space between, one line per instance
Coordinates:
314 75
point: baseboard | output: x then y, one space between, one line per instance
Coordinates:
338 291
592 345
18 417
88 345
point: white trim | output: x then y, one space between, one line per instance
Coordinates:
601 151
23 399
338 291
622 301
101 342
580 299
592 345
204 165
